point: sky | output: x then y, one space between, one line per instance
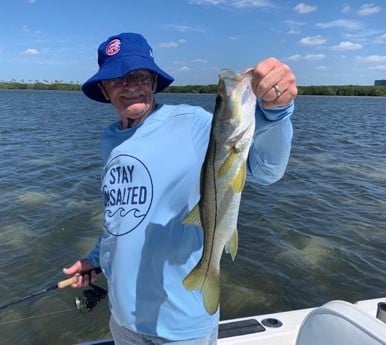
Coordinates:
324 42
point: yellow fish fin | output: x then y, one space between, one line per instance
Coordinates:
193 216
227 163
232 245
238 181
209 284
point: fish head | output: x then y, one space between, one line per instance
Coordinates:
235 104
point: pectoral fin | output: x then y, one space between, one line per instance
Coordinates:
229 161
193 216
238 181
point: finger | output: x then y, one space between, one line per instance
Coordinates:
263 68
79 267
266 74
83 280
87 278
75 268
285 98
278 85
79 280
275 92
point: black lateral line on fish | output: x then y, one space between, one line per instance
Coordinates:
215 201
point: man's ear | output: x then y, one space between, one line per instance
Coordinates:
104 91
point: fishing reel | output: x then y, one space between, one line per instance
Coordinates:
90 298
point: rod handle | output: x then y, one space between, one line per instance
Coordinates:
72 280
67 282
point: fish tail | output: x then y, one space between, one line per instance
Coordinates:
209 284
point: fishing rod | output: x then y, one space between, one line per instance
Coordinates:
60 285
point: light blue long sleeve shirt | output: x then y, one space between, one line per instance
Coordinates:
151 180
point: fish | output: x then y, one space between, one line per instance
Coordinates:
223 177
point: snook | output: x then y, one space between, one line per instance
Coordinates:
222 181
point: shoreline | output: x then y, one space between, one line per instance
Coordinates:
317 90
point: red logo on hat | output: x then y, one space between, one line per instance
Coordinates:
113 47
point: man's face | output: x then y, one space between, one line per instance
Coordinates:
132 95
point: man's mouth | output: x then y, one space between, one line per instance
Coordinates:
131 97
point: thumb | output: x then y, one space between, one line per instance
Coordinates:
75 268
78 267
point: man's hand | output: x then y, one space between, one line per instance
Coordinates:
274 83
76 269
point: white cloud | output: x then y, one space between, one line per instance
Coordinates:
379 59
235 3
368 9
172 44
199 60
373 62
183 28
30 51
307 57
346 8
340 23
381 38
303 8
294 23
27 29
294 26
347 45
378 67
251 3
295 57
313 40
184 69
207 2
363 35
314 57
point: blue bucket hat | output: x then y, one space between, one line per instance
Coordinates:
119 55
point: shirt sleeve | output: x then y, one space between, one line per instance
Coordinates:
93 256
271 147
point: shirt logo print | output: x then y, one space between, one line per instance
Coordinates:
127 191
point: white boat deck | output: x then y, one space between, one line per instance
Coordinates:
283 328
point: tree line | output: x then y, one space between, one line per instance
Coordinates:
332 90
39 85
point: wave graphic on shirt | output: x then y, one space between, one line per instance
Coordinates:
136 212
129 220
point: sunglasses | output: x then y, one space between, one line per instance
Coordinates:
133 78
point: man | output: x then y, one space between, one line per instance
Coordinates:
153 157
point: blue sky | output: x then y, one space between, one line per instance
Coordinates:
325 42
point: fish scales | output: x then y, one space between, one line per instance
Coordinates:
222 181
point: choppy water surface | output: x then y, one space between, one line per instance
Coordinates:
318 234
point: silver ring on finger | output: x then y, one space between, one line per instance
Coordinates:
278 90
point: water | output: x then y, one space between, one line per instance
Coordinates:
318 234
